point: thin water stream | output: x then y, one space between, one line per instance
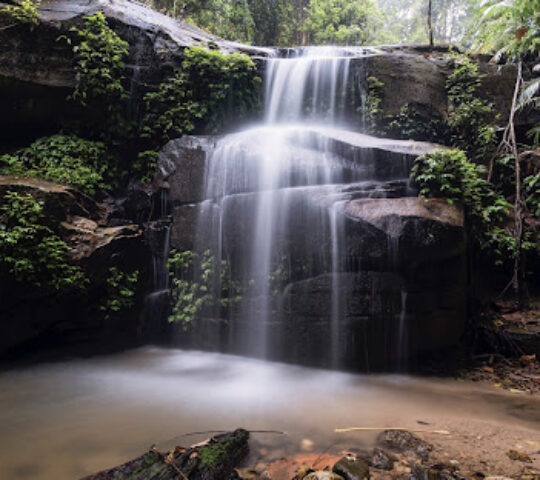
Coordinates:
64 420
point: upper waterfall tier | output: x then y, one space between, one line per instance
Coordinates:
309 83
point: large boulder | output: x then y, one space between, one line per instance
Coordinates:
414 76
403 232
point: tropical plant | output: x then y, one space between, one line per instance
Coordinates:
448 174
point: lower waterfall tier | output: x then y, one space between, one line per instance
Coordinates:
324 257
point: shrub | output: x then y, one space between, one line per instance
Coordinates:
120 291
211 87
25 12
197 284
448 174
65 159
99 55
470 118
32 251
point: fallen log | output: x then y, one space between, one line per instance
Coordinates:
212 460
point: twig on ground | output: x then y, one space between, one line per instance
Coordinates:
374 429
169 462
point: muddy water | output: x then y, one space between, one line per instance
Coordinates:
65 420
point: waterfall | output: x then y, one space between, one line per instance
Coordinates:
274 197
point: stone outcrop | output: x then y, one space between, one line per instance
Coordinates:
42 317
36 66
415 77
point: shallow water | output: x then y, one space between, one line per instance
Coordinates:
66 420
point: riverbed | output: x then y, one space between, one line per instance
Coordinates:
64 420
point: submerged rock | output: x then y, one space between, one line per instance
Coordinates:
406 442
324 475
381 459
352 468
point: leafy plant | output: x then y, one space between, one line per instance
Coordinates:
371 111
99 61
25 12
65 159
532 193
469 117
197 284
448 174
408 123
120 291
512 28
211 87
99 55
31 250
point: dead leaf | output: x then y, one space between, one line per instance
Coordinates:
526 360
287 468
518 456
521 32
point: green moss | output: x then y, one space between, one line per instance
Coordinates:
213 455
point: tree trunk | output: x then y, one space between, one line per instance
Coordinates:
214 461
430 28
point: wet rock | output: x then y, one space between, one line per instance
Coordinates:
181 165
406 442
410 76
73 320
324 475
382 460
434 472
404 231
352 468
36 70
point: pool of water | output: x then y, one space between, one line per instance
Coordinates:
69 419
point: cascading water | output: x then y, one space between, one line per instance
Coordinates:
275 196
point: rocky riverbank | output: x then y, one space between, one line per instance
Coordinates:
428 454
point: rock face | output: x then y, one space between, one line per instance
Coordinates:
400 290
415 77
44 317
36 72
351 468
